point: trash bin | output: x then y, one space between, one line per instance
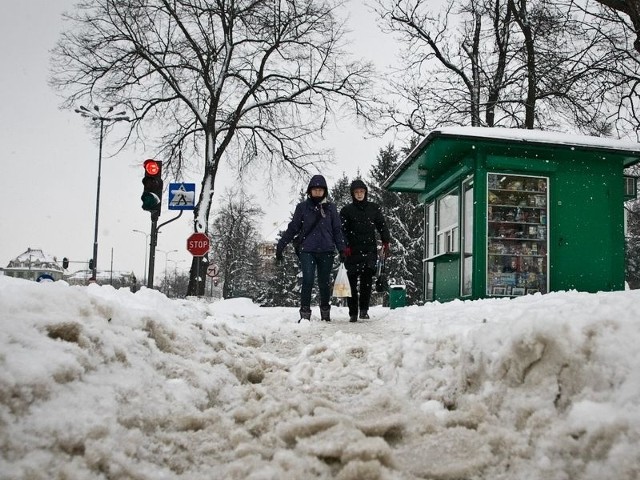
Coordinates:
397 296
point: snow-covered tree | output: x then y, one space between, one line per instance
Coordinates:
283 288
174 284
404 215
340 193
207 81
632 246
632 240
235 246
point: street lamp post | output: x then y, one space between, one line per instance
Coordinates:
101 118
146 246
175 265
175 276
166 256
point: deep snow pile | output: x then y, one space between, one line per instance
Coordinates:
97 383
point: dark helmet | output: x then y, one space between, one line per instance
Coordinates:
359 184
317 181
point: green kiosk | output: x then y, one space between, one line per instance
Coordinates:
513 212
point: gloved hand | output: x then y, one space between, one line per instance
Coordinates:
385 249
343 255
279 255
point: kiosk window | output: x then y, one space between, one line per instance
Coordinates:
467 236
430 249
517 240
448 221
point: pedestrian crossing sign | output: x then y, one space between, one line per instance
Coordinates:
182 196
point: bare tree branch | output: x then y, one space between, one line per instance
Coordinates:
631 8
252 79
517 63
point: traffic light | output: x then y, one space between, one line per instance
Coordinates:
65 263
91 264
152 181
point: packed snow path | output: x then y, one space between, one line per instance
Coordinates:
97 383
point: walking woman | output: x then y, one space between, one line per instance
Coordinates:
316 232
360 221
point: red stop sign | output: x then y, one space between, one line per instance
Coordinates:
198 244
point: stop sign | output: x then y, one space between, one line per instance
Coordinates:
198 244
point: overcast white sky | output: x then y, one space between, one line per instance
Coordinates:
50 161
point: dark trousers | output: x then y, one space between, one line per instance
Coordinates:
360 297
309 262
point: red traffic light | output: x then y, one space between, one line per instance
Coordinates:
151 167
152 181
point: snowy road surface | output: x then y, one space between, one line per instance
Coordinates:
97 383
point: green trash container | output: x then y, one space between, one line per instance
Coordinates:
397 296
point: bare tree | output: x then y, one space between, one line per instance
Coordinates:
621 83
631 8
517 63
563 52
252 80
235 248
440 84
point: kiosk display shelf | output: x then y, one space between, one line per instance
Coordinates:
517 234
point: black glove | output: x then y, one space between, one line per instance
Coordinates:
343 256
279 256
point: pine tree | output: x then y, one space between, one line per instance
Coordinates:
249 280
341 192
404 215
236 246
283 288
632 244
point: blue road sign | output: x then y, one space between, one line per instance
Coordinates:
182 196
44 277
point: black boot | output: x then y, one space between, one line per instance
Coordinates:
364 314
353 318
325 314
305 314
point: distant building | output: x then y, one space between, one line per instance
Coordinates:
267 250
104 277
267 254
34 264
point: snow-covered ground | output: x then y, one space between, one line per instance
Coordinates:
97 383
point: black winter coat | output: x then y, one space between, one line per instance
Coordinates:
360 220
